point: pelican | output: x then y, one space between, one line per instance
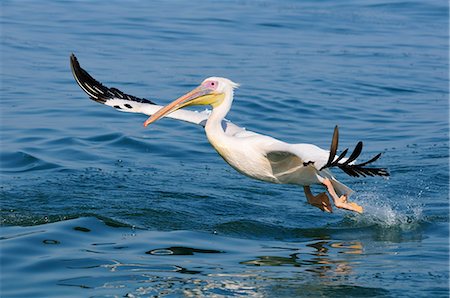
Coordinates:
255 155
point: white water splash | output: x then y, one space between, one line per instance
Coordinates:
386 214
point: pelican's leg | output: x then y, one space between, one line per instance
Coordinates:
341 202
320 201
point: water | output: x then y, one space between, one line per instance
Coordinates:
95 205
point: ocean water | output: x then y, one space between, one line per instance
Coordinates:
95 205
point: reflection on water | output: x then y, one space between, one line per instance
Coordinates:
324 260
179 250
274 261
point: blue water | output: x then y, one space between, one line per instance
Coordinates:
95 205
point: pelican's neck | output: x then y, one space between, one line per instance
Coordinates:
213 125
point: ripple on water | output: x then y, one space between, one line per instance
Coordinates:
139 262
19 162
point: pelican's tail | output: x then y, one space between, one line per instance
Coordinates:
102 94
347 164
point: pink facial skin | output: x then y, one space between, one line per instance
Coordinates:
211 84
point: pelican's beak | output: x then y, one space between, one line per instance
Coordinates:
199 96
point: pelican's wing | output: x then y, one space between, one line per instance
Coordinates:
284 162
128 103
286 158
283 155
348 165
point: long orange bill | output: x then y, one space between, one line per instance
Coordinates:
177 104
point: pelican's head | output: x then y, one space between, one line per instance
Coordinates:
212 91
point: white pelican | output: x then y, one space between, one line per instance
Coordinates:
257 156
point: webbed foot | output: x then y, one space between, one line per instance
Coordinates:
320 201
342 201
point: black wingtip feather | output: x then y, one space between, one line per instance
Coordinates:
341 156
87 83
354 170
355 154
333 147
373 159
96 90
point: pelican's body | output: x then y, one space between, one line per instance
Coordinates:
257 156
250 157
249 153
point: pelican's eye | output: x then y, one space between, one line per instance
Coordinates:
211 84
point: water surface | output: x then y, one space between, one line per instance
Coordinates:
93 204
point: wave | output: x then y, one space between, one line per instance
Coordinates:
17 162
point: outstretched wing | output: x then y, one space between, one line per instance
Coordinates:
128 103
286 158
